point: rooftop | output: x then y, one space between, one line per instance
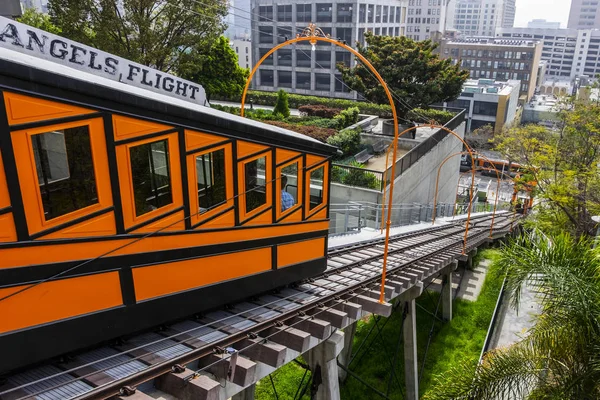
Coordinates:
489 41
490 86
542 103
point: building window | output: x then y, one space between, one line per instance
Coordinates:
344 12
392 8
362 13
322 82
211 180
284 57
265 13
340 87
255 183
324 12
284 79
266 77
485 108
342 57
268 60
303 12
284 13
65 171
303 80
303 58
344 34
287 187
371 13
323 58
150 176
284 32
385 14
265 34
377 13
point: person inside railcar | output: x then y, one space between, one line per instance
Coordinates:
287 200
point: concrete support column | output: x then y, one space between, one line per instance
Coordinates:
322 360
246 394
447 297
410 352
344 357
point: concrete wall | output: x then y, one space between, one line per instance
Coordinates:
417 185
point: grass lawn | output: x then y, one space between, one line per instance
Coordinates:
451 342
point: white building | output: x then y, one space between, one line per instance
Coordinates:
481 17
298 68
243 49
584 14
570 53
488 102
543 24
426 17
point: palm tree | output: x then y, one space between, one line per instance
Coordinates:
560 356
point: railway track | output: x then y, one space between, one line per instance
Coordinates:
243 342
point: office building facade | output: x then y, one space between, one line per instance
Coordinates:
584 14
543 24
570 53
425 18
497 59
488 102
300 69
480 17
243 49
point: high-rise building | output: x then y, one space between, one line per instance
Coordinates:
238 20
497 59
570 53
299 68
425 17
543 24
40 5
584 14
481 17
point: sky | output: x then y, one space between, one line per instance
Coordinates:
550 10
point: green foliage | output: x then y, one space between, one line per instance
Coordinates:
347 140
286 379
360 178
319 110
281 106
564 164
347 117
321 134
430 114
298 100
560 357
156 33
215 67
411 69
33 17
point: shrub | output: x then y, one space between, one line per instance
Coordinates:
426 115
321 134
347 140
319 110
358 177
347 117
281 106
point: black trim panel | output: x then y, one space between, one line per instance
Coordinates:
40 343
5 210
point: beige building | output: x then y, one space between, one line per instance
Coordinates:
497 59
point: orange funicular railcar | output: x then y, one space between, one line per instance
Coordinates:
122 208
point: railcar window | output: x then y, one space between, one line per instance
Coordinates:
210 173
289 185
151 176
256 194
316 187
65 171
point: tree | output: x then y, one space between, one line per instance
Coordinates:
411 70
281 105
560 356
155 33
481 138
33 17
215 67
565 166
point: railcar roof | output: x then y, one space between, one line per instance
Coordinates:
89 83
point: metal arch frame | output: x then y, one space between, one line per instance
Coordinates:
313 34
472 185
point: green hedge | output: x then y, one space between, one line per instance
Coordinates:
297 100
426 115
